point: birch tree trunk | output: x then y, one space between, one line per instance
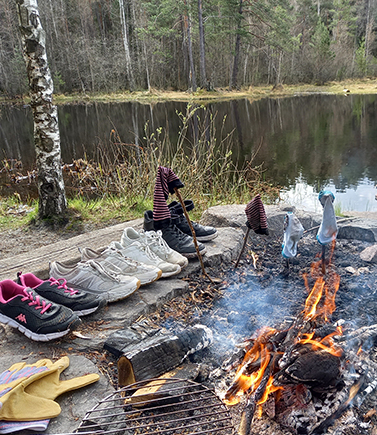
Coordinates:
52 200
126 45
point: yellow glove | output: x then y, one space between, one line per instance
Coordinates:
20 400
51 386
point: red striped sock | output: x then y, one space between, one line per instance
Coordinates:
256 216
166 181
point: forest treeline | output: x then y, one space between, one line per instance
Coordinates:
117 45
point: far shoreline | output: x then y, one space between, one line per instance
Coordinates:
346 87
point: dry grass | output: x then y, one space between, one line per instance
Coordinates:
364 86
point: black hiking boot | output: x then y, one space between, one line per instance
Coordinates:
203 233
179 241
173 236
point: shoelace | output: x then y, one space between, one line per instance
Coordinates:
34 300
148 252
113 251
96 267
62 283
155 239
180 235
142 245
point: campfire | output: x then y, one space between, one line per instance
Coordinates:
302 376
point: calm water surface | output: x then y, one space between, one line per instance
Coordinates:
304 143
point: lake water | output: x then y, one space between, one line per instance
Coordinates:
304 143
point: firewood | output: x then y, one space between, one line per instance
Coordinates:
150 357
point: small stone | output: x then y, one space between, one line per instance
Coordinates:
351 270
369 254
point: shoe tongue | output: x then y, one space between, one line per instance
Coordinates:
45 285
175 218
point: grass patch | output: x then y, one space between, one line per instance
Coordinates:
15 213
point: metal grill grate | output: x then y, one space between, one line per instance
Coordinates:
159 406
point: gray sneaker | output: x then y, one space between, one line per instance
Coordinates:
142 253
155 242
93 277
112 257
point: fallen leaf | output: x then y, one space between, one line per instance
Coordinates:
79 335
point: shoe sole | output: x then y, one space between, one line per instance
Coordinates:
109 295
167 274
206 238
88 311
149 281
193 254
33 335
119 295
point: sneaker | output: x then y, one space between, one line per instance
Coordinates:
156 243
142 253
181 242
110 256
36 317
56 290
202 233
92 277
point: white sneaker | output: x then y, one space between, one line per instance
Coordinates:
140 252
156 243
112 257
92 277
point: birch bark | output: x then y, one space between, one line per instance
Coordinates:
126 45
52 200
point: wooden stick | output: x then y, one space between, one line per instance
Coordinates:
243 247
338 222
177 192
251 404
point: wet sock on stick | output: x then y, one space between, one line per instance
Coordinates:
166 181
328 229
293 231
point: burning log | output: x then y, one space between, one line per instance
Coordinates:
317 369
361 335
252 402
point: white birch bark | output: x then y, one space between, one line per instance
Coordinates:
130 75
52 200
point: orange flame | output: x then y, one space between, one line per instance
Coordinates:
270 388
258 356
326 344
329 288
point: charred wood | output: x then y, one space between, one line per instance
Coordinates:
151 357
250 407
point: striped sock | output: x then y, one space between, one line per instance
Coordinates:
256 216
166 181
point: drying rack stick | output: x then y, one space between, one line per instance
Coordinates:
178 193
243 247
